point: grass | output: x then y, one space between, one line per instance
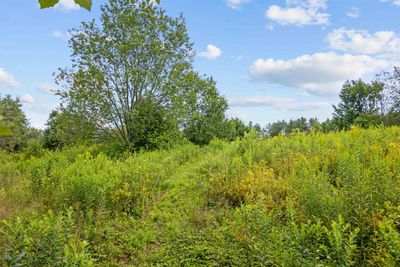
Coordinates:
300 200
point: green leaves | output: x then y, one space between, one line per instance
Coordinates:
136 54
4 131
86 4
47 3
13 124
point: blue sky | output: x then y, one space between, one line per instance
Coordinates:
271 59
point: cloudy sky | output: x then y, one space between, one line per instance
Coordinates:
272 59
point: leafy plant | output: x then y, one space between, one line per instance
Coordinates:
87 4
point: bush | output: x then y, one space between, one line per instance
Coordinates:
46 241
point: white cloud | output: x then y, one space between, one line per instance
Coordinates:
27 99
47 88
299 13
363 42
395 2
39 124
280 103
318 74
236 4
212 52
354 12
8 80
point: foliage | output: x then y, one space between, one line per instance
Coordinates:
232 129
360 103
65 129
206 111
14 121
155 127
4 131
307 196
298 200
392 89
297 125
137 61
87 4
46 241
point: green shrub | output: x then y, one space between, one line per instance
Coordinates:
45 241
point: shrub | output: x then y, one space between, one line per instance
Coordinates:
46 241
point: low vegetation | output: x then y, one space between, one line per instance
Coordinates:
299 200
140 166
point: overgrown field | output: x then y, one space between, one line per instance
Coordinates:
301 200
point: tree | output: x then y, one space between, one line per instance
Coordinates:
299 125
4 131
391 110
392 90
233 129
314 125
52 138
359 100
13 119
329 126
66 129
276 128
155 126
205 115
137 60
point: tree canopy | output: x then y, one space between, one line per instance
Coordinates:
13 124
4 131
136 60
367 104
132 81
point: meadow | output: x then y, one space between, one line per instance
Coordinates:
297 200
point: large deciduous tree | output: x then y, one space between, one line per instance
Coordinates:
137 63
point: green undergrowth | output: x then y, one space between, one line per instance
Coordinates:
300 200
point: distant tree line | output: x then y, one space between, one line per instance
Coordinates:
361 104
132 85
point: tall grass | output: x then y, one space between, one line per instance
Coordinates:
300 200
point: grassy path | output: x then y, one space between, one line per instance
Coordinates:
182 201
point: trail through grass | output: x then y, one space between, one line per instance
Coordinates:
299 200
182 197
